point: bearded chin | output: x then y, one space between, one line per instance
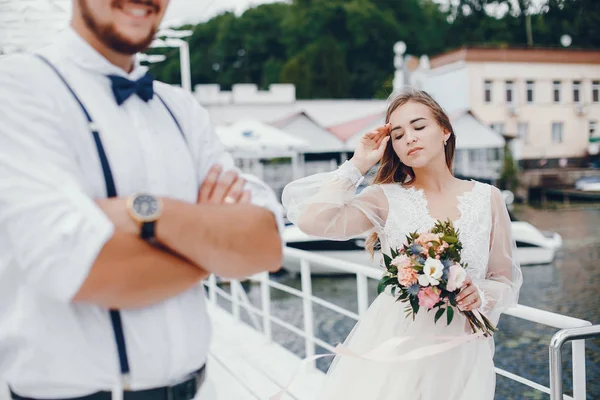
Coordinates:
108 34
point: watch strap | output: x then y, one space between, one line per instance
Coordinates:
148 230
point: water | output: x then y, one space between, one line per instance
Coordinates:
568 286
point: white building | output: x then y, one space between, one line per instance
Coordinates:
332 128
549 100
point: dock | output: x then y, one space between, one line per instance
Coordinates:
244 365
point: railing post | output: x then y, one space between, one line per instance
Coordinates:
578 336
235 300
309 330
579 389
212 284
362 289
556 392
265 294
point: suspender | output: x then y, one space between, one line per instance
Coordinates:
111 191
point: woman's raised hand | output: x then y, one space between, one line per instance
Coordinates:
371 147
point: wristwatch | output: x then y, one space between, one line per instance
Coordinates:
145 209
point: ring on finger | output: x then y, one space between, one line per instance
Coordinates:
229 200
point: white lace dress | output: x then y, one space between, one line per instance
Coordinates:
326 205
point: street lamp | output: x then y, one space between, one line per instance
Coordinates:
174 39
151 58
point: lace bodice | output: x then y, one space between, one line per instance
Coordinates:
409 212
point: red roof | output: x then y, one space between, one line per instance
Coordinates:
348 129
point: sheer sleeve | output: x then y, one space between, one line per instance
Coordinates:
500 289
326 205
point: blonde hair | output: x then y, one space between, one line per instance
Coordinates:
391 169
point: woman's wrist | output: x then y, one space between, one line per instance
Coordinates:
361 165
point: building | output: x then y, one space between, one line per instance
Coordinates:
332 129
548 100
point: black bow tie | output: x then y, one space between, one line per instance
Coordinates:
123 88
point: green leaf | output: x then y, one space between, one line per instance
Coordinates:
383 283
450 239
450 315
439 314
394 253
387 260
452 299
431 252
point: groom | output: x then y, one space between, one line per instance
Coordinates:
116 200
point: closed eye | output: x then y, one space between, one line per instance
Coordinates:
419 128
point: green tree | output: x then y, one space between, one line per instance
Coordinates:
509 177
343 48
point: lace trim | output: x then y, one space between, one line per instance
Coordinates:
348 171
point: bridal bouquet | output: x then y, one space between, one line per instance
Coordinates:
427 272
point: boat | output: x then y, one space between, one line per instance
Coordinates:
533 247
588 184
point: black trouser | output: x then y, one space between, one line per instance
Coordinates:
183 391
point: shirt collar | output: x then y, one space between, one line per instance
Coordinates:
84 55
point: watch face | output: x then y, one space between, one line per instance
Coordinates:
147 207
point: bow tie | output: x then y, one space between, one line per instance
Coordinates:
123 88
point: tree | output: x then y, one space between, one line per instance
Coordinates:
343 48
509 177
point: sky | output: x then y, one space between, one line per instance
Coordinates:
194 11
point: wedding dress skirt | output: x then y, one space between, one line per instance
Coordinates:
465 372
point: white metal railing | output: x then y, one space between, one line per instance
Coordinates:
363 273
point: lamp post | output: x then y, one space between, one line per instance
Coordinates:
174 39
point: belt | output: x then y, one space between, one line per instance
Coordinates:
185 390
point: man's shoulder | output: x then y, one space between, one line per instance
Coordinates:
27 71
20 64
181 100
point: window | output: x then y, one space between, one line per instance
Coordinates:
498 127
557 132
595 90
477 156
522 131
576 91
493 154
593 128
556 91
509 92
529 93
488 91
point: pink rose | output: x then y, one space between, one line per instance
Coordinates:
425 238
428 297
456 277
401 261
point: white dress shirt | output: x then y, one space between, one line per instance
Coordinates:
52 231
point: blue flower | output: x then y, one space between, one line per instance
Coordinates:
420 260
447 263
416 249
445 273
413 290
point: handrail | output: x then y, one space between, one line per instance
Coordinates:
555 349
363 274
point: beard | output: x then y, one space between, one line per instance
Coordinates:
108 34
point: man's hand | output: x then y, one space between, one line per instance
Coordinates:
226 189
116 210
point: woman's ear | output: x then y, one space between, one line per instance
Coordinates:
446 136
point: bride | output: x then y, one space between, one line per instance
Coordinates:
413 188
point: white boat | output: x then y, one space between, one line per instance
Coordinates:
588 184
533 247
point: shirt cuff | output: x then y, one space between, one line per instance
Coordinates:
93 235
